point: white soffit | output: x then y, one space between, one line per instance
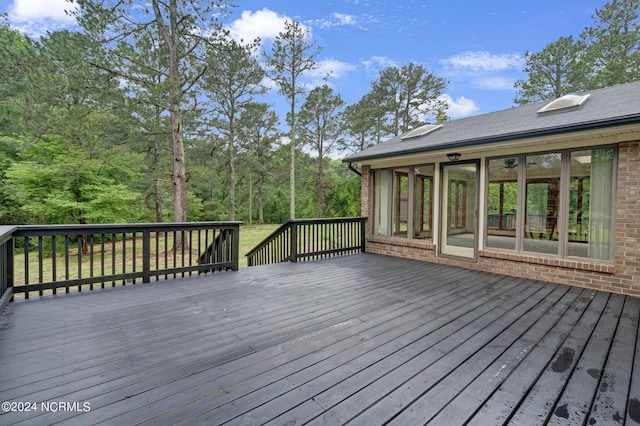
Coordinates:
565 103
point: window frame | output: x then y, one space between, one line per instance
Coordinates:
392 174
563 203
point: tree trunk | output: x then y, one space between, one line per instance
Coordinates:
179 175
232 173
158 201
157 190
259 199
319 188
292 175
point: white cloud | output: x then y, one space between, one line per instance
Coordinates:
377 63
485 61
327 70
25 11
265 24
339 20
36 17
484 70
495 83
333 68
344 19
460 107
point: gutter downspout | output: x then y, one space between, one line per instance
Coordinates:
354 170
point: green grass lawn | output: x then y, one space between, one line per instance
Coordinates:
251 236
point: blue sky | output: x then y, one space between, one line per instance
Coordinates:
479 47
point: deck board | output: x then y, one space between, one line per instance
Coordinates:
362 339
462 406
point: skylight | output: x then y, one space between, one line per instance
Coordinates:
421 131
565 103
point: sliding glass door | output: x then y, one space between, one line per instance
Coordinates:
459 206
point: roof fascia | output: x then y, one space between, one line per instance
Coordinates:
621 121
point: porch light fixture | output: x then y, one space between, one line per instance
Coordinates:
454 156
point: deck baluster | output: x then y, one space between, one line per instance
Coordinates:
91 258
306 239
88 272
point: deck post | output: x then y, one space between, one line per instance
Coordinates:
146 256
6 266
235 248
363 230
294 242
10 263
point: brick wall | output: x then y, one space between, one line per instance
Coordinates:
623 276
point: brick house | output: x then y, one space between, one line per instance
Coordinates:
549 191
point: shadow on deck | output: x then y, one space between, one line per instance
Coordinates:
362 339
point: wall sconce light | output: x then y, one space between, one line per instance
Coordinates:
454 156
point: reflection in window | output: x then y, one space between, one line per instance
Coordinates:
403 202
400 203
502 203
423 202
457 205
542 174
567 208
381 186
590 203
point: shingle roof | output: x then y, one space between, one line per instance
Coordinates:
606 107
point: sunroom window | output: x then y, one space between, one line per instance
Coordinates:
423 201
400 203
542 208
403 202
566 204
502 203
590 204
381 197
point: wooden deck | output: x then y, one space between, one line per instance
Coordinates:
362 339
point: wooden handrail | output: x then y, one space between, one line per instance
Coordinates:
80 257
273 249
6 265
306 239
279 230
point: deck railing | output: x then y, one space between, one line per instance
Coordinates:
307 239
6 264
54 258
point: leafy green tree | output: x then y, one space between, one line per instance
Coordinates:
276 190
58 181
9 214
232 80
146 72
258 137
555 71
441 116
614 44
178 28
73 167
362 121
17 64
208 177
409 95
342 198
17 60
322 127
606 54
293 53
